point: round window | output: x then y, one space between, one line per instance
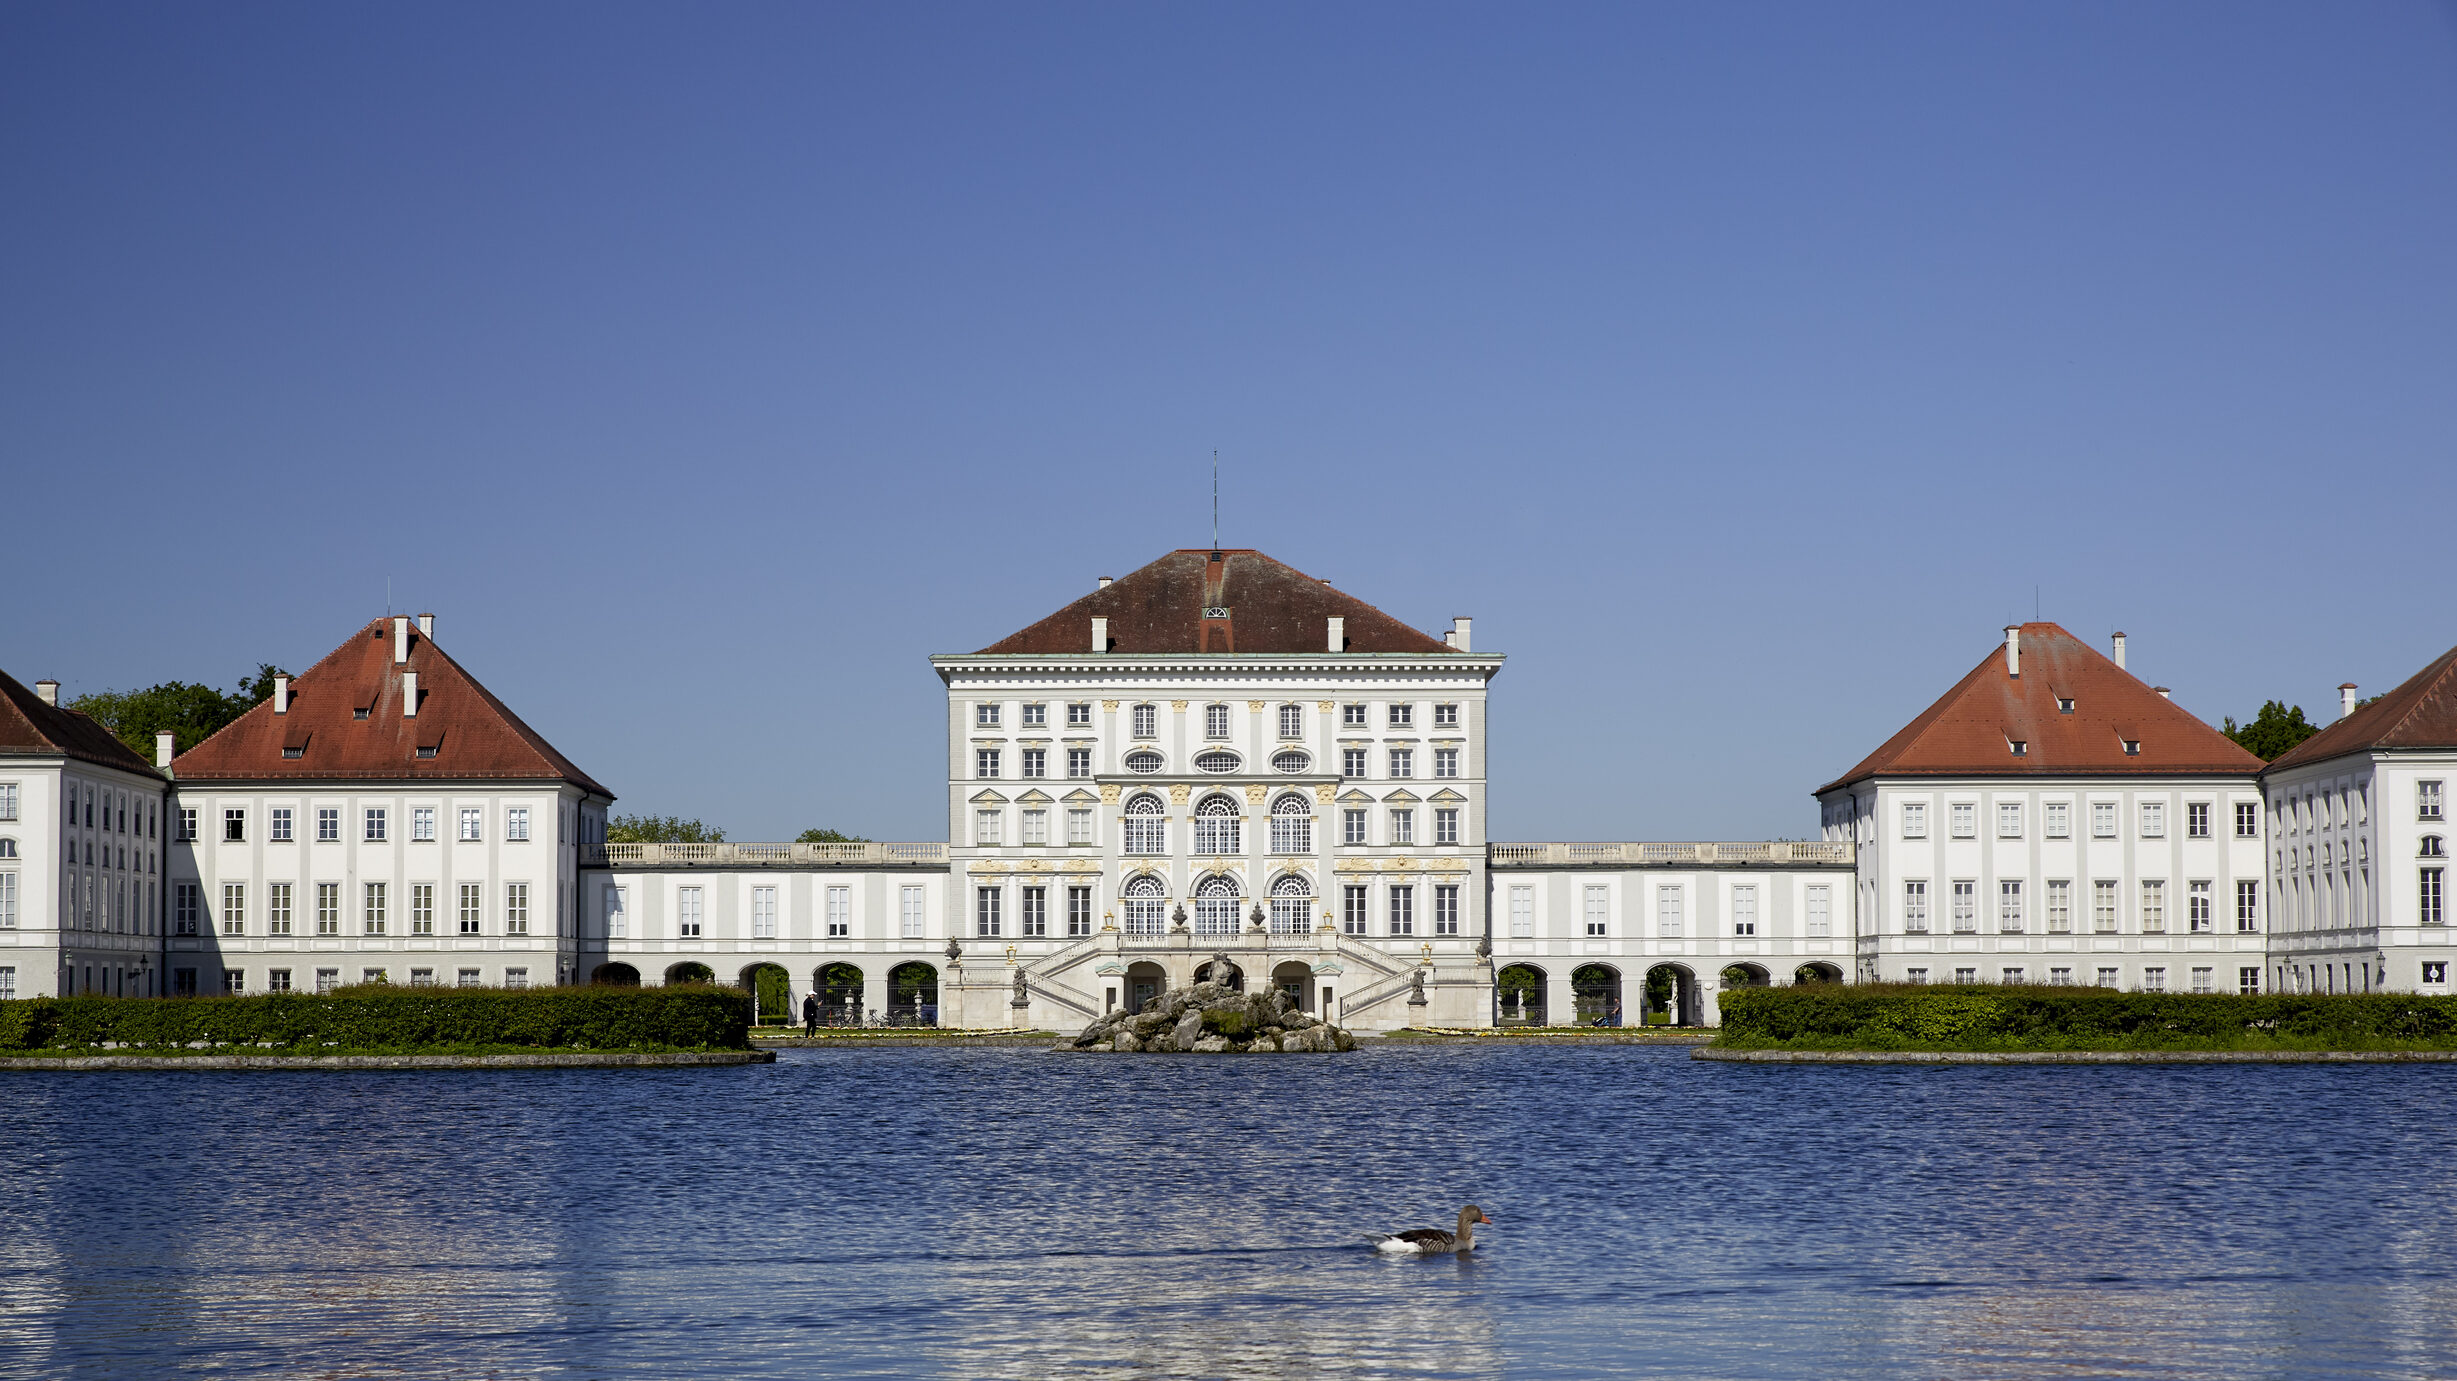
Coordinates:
1291 762
1144 762
1216 761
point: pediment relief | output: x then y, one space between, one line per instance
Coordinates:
1080 797
1447 796
1355 798
1035 797
988 797
1401 797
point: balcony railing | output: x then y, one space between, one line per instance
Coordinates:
738 855
1775 852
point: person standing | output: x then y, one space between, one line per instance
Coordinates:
810 1016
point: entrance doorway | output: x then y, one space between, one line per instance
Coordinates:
1295 978
1521 992
1671 996
1596 989
1145 982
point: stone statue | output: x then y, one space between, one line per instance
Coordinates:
1221 968
1021 997
1416 989
954 950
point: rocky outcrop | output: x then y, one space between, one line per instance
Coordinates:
1210 1019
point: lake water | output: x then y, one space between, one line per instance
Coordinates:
990 1213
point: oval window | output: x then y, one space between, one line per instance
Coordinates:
1216 761
1145 762
1291 762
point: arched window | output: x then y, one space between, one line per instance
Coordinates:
1147 827
1143 762
1217 760
1215 905
1291 762
1292 825
2433 847
1292 904
1215 825
1146 899
8 848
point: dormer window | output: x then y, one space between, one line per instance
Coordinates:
2064 704
2021 747
426 752
359 713
2132 748
294 752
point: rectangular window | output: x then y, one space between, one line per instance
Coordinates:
913 919
2103 907
986 715
516 978
2198 915
763 913
1596 902
1078 912
2060 906
2154 980
422 824
2009 819
2428 895
470 819
1078 714
234 825
2248 981
1215 721
1033 915
1146 834
1446 715
2009 917
1966 820
840 913
1403 827
1522 913
1668 912
1744 910
1352 762
2102 819
1352 716
618 913
8 801
277 824
2205 980
1292 834
467 978
1445 762
2247 907
1036 715
2196 820
1446 910
985 912
1352 827
1402 716
1036 763
687 913
1966 907
2060 976
1292 721
1078 763
328 825
1915 975
371 913
1914 820
1216 834
1036 826
422 908
988 826
2154 819
1403 911
1079 825
234 908
516 908
985 764
1915 908
470 905
327 980
2427 801
1966 976
1446 825
1820 917
1146 720
2011 973
277 980
1352 910
422 978
2247 819
187 825
1403 762
2154 908
2059 820
376 822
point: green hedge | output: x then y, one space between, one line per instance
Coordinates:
1894 1017
392 1020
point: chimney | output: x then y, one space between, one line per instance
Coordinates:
47 691
426 627
1104 583
409 695
2013 649
1458 631
2118 654
2346 699
400 639
281 695
2163 693
1100 635
1339 633
164 745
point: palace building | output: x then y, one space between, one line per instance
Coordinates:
1220 767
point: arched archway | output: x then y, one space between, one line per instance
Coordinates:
1817 973
1215 905
771 990
1595 989
1671 996
1145 982
1520 988
1295 977
1744 976
912 995
1210 971
616 976
688 972
1292 904
840 994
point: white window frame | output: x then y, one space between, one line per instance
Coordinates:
1595 906
1915 906
2153 819
1744 910
763 913
1079 825
473 825
1965 817
989 826
1965 895
1446 763
422 824
690 913
914 919
2059 819
1671 902
2102 819
1522 913
1915 819
840 913
1820 908
516 908
2009 819
2011 917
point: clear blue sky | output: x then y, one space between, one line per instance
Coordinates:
1741 368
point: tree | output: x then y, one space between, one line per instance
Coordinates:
2272 732
828 837
191 711
660 829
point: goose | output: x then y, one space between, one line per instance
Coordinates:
1433 1241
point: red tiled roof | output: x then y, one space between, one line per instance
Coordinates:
1272 608
1970 730
472 733
2420 713
27 725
